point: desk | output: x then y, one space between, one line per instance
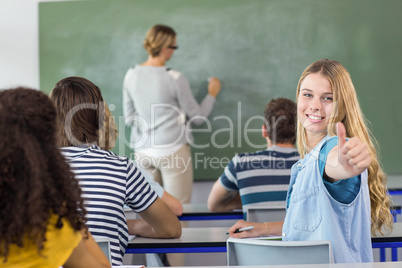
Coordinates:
393 241
192 240
213 239
198 212
333 265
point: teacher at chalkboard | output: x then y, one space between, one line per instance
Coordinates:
159 106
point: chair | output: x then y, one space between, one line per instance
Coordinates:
265 213
274 252
104 244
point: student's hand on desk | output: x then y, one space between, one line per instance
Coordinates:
255 232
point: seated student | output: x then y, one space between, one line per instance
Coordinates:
108 140
42 212
269 170
108 181
338 190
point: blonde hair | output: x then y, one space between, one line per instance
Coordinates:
347 110
158 37
108 133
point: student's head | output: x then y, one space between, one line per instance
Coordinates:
330 80
80 107
280 121
159 37
35 180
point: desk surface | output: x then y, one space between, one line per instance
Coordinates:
213 239
200 212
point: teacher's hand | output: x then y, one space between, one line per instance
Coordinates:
214 86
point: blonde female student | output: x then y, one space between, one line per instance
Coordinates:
42 213
337 190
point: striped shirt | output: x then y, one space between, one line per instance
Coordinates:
261 178
108 182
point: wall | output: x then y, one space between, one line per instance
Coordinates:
19 64
258 48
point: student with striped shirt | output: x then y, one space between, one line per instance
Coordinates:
108 181
261 178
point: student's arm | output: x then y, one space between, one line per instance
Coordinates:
87 254
173 203
158 221
187 101
260 229
348 159
221 199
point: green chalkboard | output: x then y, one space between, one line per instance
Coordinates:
258 48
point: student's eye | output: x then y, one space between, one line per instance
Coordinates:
328 99
308 95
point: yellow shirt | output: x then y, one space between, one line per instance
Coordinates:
58 247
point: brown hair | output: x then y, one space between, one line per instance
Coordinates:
80 108
35 180
280 120
158 37
347 110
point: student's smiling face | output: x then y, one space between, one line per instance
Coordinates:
315 102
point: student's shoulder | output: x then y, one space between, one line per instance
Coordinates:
278 152
108 155
245 156
256 153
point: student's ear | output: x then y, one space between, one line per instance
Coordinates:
264 131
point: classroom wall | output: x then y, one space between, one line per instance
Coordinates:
19 57
258 48
19 50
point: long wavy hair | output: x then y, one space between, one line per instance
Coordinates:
35 180
346 109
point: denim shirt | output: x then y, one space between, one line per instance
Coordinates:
313 214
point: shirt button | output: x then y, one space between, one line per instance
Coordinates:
283 234
299 164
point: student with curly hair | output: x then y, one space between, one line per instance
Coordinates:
42 214
337 190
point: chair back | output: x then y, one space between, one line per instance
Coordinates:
265 213
104 244
275 252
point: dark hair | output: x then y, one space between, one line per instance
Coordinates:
280 120
79 104
35 180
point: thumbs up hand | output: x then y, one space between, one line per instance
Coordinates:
353 155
